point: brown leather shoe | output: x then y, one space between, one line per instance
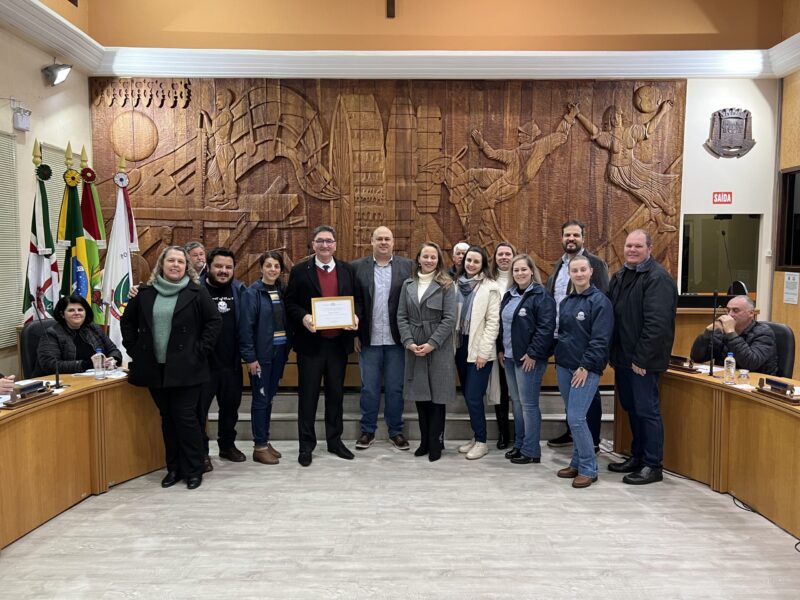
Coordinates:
568 473
264 456
274 452
232 454
582 481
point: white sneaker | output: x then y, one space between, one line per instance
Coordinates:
463 449
479 450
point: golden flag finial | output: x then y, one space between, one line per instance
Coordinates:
84 158
37 153
68 155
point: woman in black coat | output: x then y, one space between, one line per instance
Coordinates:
168 330
68 346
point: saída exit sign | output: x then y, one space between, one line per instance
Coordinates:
722 198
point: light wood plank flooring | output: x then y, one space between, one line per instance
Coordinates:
389 525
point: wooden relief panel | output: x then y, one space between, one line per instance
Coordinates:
255 164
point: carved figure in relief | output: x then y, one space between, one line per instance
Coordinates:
639 179
222 172
483 188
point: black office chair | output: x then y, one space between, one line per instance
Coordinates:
737 288
29 346
784 340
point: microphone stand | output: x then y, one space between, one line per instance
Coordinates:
711 341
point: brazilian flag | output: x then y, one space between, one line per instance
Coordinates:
76 274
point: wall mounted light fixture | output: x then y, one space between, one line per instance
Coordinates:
56 73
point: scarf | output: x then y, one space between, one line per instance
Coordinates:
163 309
467 288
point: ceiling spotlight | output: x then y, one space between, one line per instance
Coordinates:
55 73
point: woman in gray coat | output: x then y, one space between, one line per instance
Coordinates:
426 318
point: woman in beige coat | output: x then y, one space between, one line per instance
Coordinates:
476 334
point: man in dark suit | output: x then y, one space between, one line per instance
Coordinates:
379 278
559 286
320 353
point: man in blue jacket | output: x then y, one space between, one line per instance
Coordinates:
645 300
225 360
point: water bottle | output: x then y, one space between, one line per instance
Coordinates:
99 363
730 370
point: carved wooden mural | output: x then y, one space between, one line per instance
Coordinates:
255 164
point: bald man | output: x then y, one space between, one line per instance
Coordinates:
645 300
379 278
752 343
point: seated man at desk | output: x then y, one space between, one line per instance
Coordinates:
752 343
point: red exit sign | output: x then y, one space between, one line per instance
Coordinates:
722 198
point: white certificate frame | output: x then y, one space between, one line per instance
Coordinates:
327 312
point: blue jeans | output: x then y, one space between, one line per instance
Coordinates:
577 402
473 385
524 391
389 362
638 395
264 389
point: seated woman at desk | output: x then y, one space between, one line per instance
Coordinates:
68 346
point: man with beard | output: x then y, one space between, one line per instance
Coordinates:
558 284
225 360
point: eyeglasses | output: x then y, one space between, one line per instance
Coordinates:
324 242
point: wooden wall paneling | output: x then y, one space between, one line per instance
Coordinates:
295 143
786 313
790 117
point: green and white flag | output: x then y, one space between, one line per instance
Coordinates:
118 275
41 284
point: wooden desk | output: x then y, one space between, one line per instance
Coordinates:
58 451
736 441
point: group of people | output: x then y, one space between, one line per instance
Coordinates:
418 324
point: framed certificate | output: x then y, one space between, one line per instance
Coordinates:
333 312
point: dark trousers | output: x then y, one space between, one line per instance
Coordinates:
594 418
501 410
473 385
329 362
226 385
638 395
431 426
183 437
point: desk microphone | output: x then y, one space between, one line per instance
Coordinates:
727 255
711 342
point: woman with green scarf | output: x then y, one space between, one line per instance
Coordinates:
168 330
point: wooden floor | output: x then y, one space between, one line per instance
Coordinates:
389 525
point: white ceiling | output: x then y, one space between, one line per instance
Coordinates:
51 32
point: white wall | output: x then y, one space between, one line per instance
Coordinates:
60 114
751 178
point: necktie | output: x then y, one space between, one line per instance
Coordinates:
326 267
